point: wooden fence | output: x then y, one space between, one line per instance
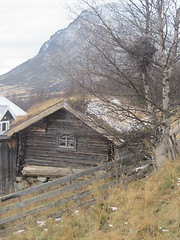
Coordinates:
76 188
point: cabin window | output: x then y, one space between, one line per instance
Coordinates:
66 141
4 126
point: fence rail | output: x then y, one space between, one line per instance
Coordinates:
76 187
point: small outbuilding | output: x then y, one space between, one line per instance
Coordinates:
8 112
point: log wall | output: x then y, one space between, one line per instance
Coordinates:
38 143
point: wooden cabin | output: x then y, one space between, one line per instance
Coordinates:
58 137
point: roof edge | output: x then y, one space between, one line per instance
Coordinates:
63 104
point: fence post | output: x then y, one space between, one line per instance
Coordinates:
75 190
116 172
19 200
175 144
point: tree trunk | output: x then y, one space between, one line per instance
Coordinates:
166 114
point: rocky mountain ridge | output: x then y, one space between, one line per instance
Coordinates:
44 72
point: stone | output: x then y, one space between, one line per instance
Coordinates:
22 185
31 180
42 179
19 179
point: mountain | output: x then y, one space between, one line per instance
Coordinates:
48 72
45 71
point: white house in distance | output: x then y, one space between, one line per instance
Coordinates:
8 112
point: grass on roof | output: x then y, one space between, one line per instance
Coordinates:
37 108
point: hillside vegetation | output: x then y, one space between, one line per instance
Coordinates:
148 209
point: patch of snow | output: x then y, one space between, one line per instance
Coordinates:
76 212
114 209
178 183
19 231
140 168
163 229
41 223
46 46
116 114
58 219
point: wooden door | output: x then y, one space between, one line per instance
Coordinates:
8 156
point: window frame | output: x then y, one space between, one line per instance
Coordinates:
66 141
2 124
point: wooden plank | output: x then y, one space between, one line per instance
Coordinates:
76 196
33 170
41 142
50 194
63 161
44 207
63 152
60 164
52 148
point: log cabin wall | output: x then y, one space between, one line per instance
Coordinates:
42 143
8 156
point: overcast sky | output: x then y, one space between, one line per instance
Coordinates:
25 25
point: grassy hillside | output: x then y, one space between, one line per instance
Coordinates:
148 209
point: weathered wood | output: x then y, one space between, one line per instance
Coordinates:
54 193
64 161
75 197
62 153
32 170
66 179
41 146
8 155
58 181
110 168
44 207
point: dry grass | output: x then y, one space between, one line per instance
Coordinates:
149 209
37 108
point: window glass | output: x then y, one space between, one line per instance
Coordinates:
66 141
4 126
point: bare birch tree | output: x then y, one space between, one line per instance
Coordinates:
132 48
165 36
